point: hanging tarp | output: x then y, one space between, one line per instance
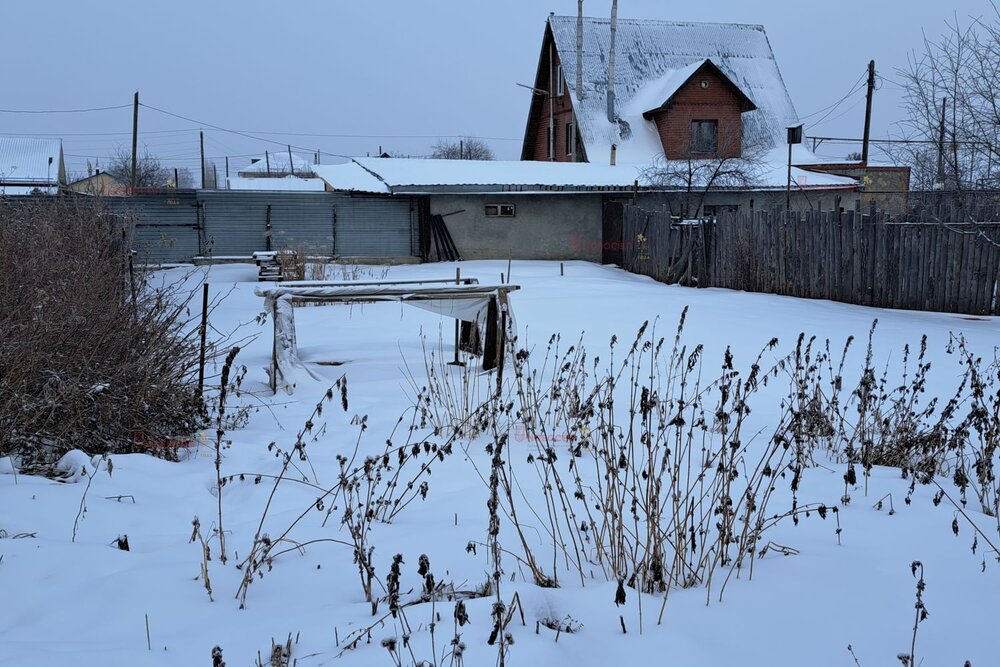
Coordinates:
468 303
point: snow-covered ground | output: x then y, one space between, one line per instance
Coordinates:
87 602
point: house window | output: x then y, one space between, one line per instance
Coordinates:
560 81
704 136
570 138
500 210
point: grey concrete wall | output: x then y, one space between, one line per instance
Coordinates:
546 226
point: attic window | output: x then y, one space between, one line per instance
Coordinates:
560 81
570 138
704 136
704 84
500 210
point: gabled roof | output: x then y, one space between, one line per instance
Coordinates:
670 84
27 161
648 55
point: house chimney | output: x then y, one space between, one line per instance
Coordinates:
614 154
579 50
611 62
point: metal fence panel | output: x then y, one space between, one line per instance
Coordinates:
166 226
376 227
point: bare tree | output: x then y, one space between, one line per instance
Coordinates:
149 172
467 148
952 103
735 166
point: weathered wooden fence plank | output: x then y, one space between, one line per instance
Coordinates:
866 259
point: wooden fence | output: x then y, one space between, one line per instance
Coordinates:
864 259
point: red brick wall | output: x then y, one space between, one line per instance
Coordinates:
718 102
562 113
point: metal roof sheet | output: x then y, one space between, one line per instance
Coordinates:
26 160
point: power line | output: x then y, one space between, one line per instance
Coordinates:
832 107
92 134
386 136
236 132
44 111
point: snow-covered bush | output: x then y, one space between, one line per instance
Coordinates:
92 356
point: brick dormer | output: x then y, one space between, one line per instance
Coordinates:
701 115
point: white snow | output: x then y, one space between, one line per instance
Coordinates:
87 603
409 175
287 183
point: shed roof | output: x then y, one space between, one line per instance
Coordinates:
25 161
422 176
416 176
286 183
648 55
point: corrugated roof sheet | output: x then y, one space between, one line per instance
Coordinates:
404 175
413 176
287 183
26 160
647 53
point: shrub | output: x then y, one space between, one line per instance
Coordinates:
92 356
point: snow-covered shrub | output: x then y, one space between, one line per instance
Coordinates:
92 356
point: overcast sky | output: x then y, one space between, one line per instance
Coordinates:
389 73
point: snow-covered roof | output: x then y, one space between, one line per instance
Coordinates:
423 176
277 162
412 176
351 177
650 56
25 161
287 183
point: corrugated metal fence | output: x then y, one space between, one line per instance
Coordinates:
867 260
182 225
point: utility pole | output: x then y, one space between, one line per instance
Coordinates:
868 113
291 167
461 149
940 169
135 137
227 172
201 136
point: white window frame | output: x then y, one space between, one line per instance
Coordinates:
499 210
560 81
570 138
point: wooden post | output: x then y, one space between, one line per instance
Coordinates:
201 136
458 323
868 113
135 138
788 186
202 332
267 162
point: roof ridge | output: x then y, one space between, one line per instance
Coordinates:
603 19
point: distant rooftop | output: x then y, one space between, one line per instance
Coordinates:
28 162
